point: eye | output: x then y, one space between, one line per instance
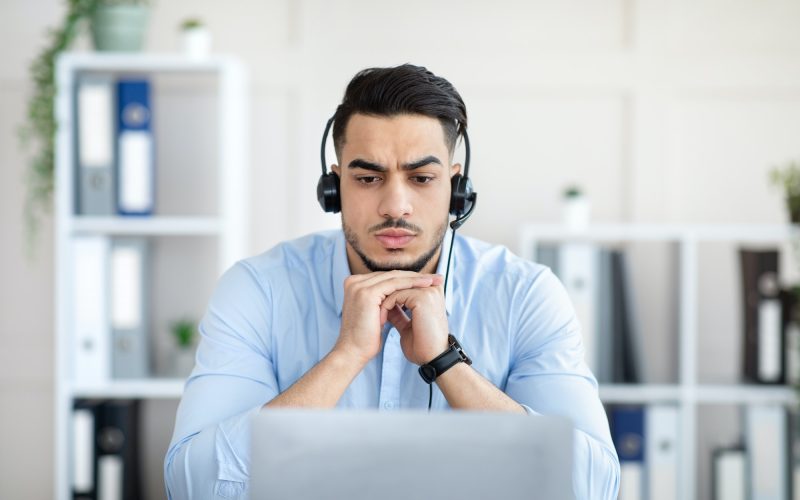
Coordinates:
422 179
368 179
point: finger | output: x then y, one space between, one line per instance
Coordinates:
376 278
369 278
384 316
389 286
399 298
398 318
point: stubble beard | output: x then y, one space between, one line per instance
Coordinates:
415 266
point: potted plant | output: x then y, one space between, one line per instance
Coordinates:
119 25
38 132
184 331
195 38
576 208
788 178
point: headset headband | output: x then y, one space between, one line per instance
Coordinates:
328 125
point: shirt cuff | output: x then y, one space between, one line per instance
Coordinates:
232 444
530 411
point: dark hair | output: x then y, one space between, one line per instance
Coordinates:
405 89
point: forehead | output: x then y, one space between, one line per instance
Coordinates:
399 135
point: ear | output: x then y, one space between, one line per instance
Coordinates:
336 170
455 169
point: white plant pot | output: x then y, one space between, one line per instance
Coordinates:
182 361
196 42
577 212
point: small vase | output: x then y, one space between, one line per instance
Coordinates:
119 28
196 42
577 211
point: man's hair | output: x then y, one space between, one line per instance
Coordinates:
405 89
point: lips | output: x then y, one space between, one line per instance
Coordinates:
395 238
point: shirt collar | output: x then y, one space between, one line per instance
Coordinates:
341 270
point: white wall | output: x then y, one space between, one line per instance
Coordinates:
663 111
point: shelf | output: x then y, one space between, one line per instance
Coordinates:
142 62
701 394
134 388
745 394
222 222
639 393
755 233
156 225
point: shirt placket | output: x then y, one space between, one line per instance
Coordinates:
390 372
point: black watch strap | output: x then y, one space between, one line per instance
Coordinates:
443 362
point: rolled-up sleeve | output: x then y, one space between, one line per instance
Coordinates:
548 376
233 378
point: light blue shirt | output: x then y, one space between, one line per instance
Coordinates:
274 316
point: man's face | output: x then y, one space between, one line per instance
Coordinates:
395 190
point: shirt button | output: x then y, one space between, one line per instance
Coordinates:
388 405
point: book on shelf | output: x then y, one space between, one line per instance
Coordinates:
95 105
130 259
791 337
90 339
115 161
793 416
767 444
83 452
135 171
627 432
596 281
662 447
729 473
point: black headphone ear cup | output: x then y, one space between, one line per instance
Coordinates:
328 193
460 195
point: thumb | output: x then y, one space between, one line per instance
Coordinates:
399 319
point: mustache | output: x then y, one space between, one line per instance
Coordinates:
396 224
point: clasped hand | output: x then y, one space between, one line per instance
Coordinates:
372 299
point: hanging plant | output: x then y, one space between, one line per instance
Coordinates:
38 132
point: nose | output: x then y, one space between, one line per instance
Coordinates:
395 199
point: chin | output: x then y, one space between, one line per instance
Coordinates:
397 259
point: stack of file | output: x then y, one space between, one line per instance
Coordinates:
596 280
105 448
647 443
115 152
110 330
758 469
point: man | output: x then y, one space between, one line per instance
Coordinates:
345 318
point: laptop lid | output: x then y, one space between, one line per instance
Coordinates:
305 454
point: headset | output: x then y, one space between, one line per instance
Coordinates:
463 197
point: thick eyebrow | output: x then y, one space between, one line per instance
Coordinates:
368 165
421 163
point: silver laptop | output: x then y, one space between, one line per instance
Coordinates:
307 454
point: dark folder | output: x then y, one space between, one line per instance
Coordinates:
764 340
117 450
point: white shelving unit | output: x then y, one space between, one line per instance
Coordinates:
688 393
227 226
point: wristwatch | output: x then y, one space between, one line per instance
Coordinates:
443 362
